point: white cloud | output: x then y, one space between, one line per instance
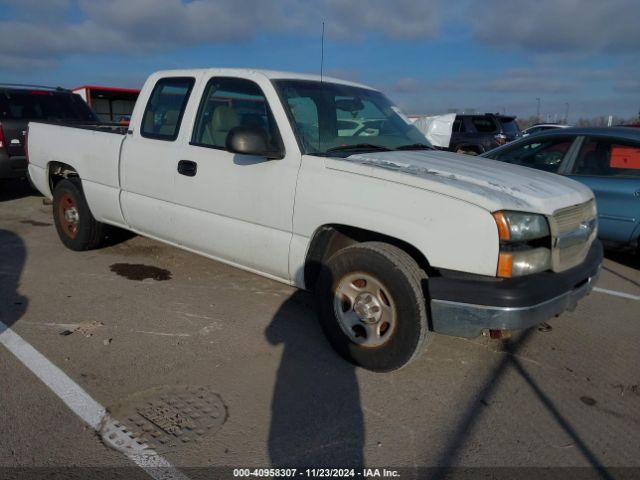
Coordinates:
554 39
48 30
589 92
555 26
134 26
399 19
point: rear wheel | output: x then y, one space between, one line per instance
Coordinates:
372 308
76 226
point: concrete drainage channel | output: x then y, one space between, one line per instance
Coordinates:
163 419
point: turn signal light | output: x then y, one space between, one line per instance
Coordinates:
505 265
504 232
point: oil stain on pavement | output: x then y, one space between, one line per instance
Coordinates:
139 272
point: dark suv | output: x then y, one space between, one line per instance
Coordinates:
476 134
21 103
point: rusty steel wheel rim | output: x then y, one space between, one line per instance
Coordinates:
68 215
365 309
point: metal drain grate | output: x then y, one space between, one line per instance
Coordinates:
164 419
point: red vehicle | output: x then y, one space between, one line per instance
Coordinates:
111 104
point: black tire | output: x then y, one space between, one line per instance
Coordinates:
402 279
84 234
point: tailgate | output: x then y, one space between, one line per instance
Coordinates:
14 133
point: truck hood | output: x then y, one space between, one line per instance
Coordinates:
487 183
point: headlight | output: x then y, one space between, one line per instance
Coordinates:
524 262
517 258
519 226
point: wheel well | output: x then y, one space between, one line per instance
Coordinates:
59 171
328 239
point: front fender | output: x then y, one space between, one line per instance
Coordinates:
450 233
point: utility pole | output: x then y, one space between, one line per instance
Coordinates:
566 113
538 109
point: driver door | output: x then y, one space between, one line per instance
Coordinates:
236 208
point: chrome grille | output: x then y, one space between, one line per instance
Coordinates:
573 229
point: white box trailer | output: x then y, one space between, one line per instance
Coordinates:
436 128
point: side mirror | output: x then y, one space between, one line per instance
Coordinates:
250 141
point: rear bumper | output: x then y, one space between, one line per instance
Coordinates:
465 307
12 167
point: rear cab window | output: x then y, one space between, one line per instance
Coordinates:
608 158
484 124
165 108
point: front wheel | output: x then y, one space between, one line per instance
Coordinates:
372 308
77 228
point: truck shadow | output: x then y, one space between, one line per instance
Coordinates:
13 255
621 276
624 257
452 452
316 414
16 189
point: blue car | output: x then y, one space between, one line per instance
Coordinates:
607 160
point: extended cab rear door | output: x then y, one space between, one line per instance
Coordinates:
237 208
150 154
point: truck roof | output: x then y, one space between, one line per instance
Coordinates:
270 74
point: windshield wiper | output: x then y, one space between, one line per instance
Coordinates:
415 146
359 146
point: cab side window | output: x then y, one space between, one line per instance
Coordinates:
543 154
607 158
228 103
163 115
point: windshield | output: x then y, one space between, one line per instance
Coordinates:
334 119
44 105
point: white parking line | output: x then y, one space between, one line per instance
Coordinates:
616 294
80 402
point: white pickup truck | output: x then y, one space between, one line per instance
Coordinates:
325 185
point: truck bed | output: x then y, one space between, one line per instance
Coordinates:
94 152
100 127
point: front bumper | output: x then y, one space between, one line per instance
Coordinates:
464 307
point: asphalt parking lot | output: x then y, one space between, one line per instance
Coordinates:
140 323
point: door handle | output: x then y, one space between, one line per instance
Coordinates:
187 168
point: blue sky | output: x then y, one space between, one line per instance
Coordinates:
427 55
